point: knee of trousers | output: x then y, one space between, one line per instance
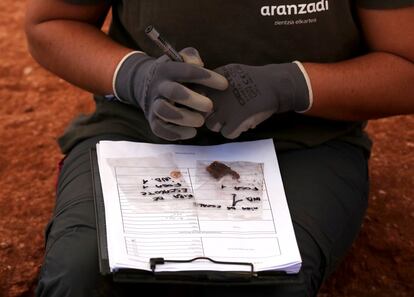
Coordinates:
71 266
313 262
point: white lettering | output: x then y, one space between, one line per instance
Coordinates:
302 8
281 10
294 9
320 6
311 8
265 11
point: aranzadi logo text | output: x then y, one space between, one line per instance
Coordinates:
295 9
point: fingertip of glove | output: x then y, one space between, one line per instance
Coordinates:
207 106
230 136
215 127
192 56
190 133
221 82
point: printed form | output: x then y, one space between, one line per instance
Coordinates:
225 202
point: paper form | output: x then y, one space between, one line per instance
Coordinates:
153 197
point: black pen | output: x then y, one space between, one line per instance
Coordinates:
153 34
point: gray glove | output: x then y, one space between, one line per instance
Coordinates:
254 94
155 85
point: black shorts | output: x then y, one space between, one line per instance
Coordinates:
327 193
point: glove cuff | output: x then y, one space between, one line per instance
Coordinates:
308 83
116 72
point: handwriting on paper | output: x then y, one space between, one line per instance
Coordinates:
196 189
164 188
216 187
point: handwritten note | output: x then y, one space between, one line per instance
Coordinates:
238 194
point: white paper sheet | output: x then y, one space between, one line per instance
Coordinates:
140 228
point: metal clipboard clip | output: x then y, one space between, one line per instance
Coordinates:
240 274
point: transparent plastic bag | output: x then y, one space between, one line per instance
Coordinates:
229 189
153 183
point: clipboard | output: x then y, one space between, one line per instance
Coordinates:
129 275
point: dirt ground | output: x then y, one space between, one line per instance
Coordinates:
35 108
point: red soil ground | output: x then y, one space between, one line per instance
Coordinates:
35 108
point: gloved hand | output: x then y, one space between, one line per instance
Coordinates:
155 85
254 94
